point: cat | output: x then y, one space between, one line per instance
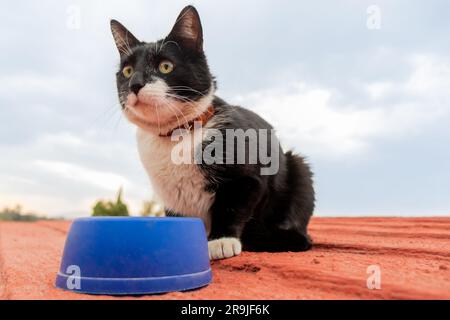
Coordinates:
166 89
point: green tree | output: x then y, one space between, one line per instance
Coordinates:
152 209
111 209
17 214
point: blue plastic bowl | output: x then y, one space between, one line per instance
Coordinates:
135 256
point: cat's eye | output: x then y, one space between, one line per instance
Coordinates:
166 67
127 71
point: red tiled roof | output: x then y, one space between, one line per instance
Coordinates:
413 256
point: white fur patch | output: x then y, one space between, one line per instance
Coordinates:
181 187
157 88
224 248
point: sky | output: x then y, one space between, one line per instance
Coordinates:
361 88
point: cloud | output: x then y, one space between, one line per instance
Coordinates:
64 174
73 172
21 84
310 118
430 79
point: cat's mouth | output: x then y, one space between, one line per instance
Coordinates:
143 101
157 113
145 108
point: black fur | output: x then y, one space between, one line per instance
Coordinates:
268 213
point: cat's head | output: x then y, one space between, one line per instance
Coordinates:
166 83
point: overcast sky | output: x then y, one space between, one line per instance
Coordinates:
362 91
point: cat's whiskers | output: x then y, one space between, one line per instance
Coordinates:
110 111
166 43
107 115
156 47
176 111
186 88
117 123
170 106
160 47
173 95
184 100
180 98
157 117
181 112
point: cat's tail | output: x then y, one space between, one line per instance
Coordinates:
300 182
292 232
297 206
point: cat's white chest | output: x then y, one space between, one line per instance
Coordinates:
181 187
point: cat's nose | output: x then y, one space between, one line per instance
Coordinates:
136 88
136 83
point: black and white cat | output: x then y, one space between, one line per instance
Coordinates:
165 87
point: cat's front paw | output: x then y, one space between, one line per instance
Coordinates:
224 248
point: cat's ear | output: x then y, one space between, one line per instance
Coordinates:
188 29
124 39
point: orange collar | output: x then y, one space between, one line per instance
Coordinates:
203 119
